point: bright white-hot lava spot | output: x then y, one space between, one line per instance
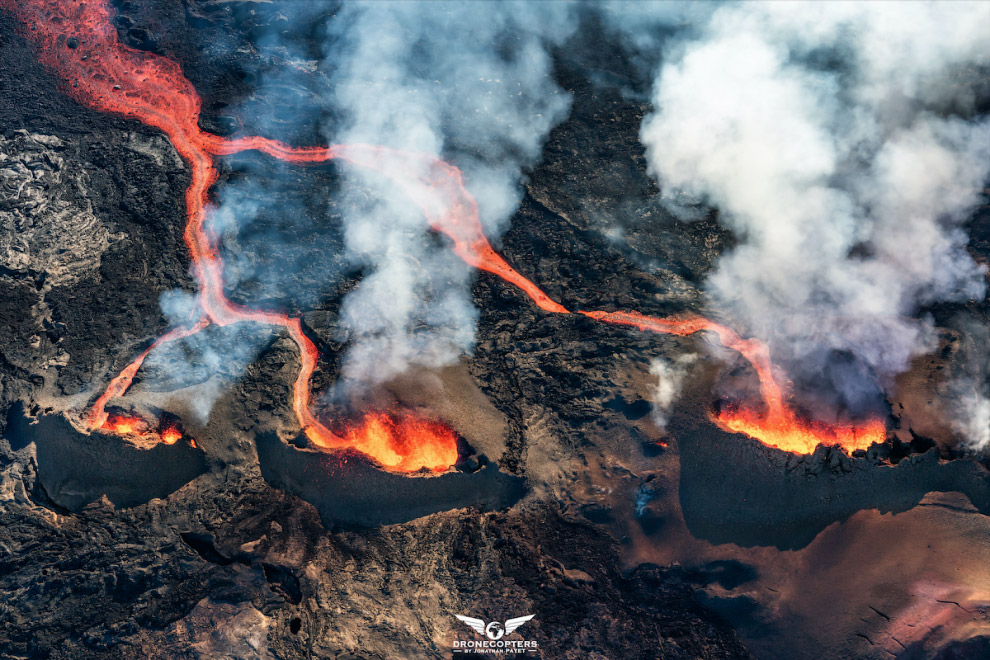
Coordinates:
109 76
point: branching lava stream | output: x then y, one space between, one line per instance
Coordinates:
77 41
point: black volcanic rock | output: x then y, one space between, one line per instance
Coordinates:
76 469
271 554
348 488
734 489
97 201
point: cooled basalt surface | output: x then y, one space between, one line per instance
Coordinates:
234 567
736 490
347 488
75 469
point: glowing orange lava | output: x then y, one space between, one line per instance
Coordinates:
791 434
777 426
97 416
171 435
405 443
78 41
125 425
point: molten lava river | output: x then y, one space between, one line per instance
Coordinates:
79 43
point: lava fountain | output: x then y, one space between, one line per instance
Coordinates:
78 42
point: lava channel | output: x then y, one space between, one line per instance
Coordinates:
78 41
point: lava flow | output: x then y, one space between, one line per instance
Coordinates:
170 435
777 425
125 425
77 40
129 425
404 443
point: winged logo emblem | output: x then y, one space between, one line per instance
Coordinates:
495 629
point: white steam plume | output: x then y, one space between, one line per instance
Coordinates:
838 141
973 424
670 377
207 362
969 390
469 81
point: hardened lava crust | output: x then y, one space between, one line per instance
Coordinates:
242 540
210 554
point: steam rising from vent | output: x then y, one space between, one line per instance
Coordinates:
840 142
208 360
670 377
467 80
159 95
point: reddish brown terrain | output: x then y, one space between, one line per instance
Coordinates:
300 518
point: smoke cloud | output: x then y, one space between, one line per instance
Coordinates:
670 377
839 141
208 361
969 390
471 82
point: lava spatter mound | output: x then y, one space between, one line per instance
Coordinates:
348 488
76 469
